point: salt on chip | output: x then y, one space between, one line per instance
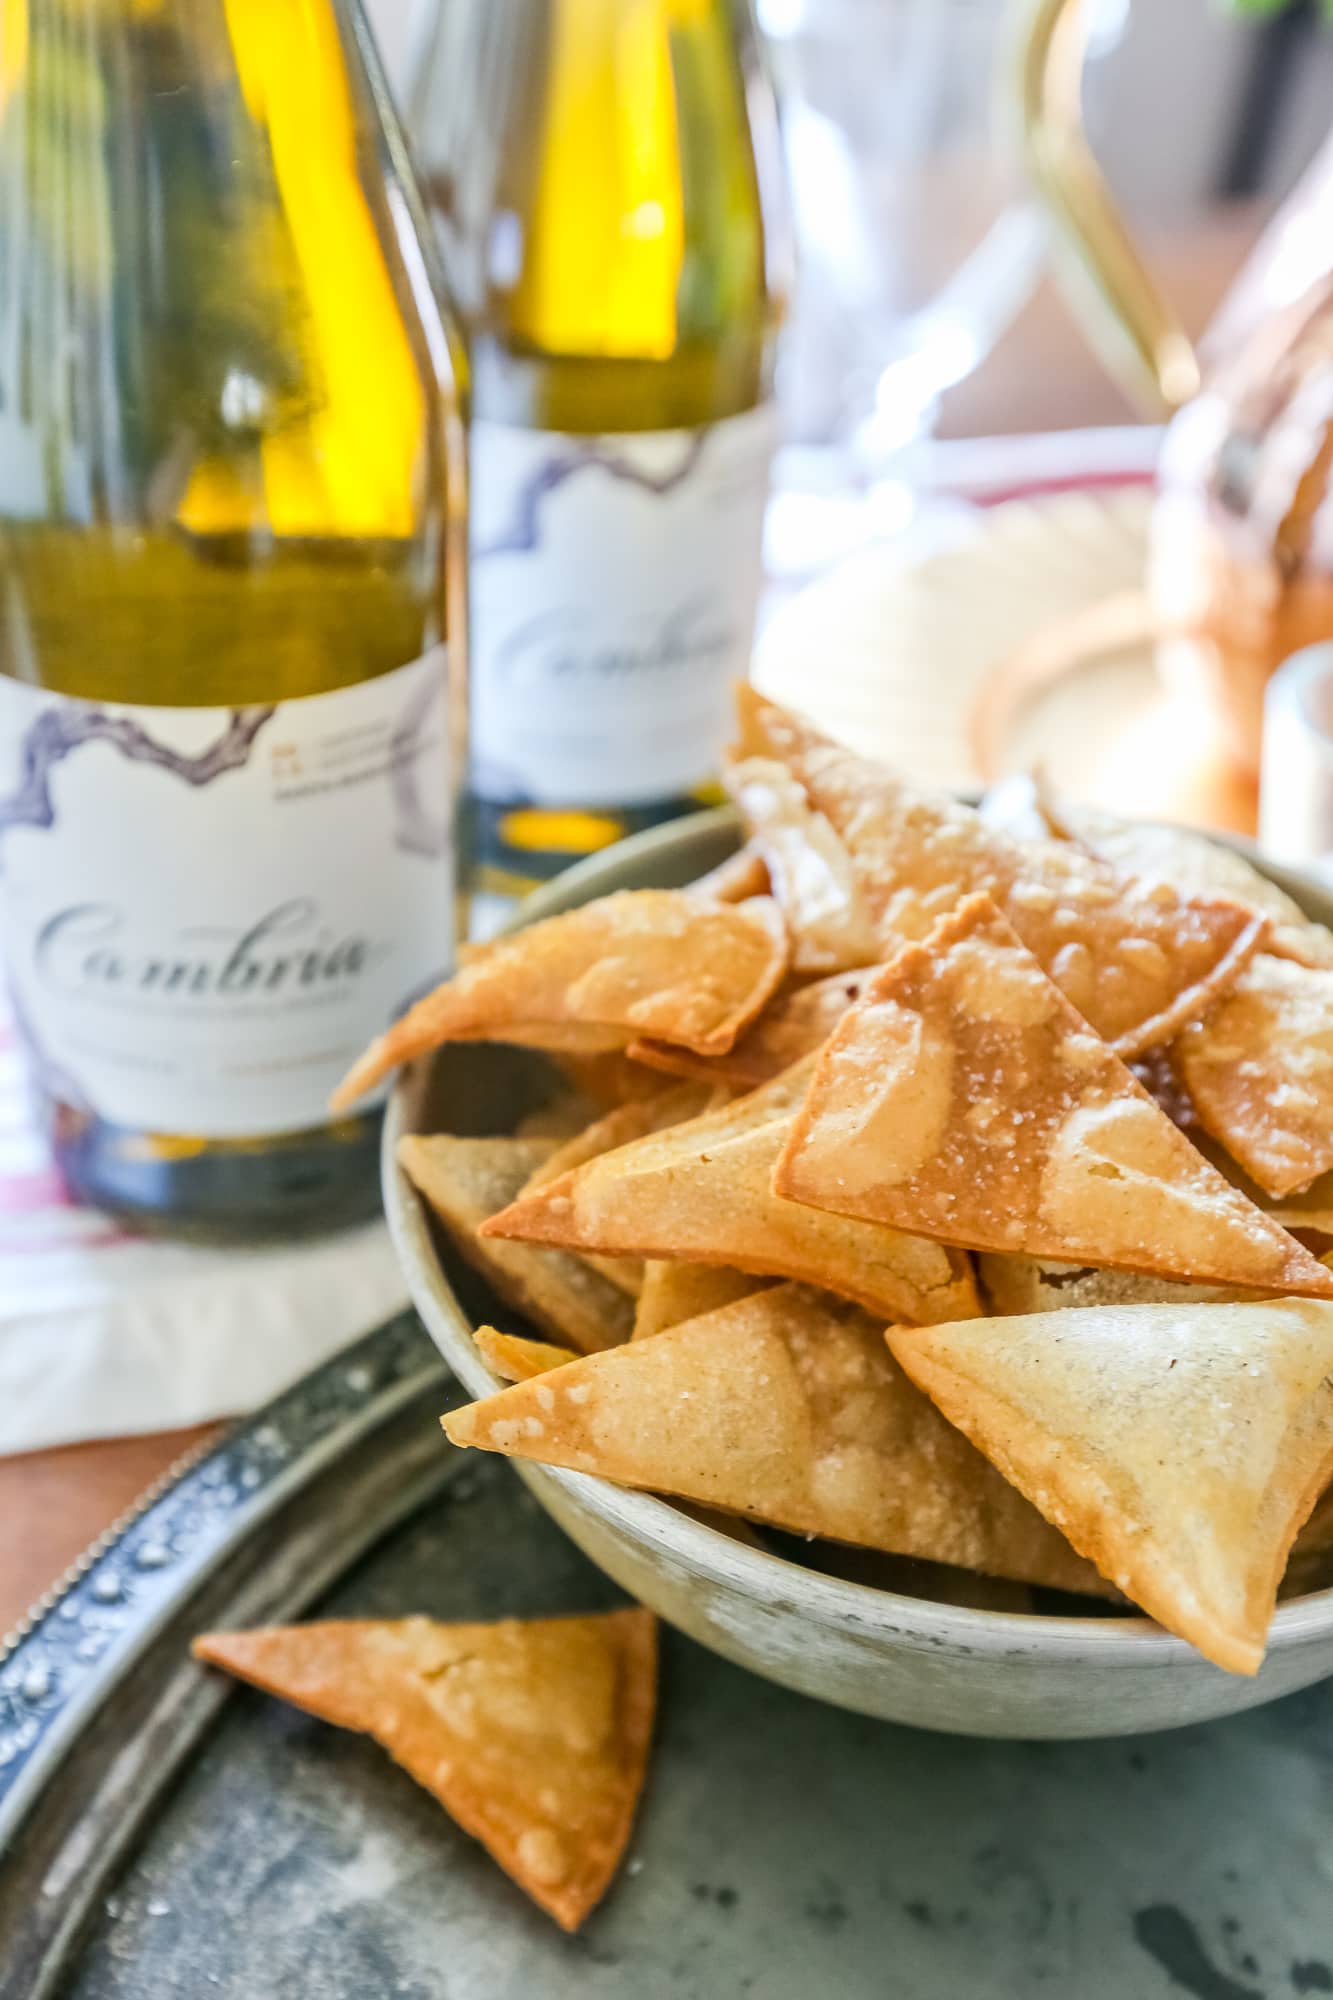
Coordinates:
964 1098
1138 960
795 1022
1190 860
701 1192
467 1180
1179 1447
653 962
1259 1072
673 1292
515 1359
532 1734
787 1408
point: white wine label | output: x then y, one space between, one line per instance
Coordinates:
614 582
208 912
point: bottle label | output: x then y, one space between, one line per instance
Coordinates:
614 582
208 912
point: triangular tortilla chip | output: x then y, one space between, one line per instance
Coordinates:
1259 1072
655 962
467 1180
786 1408
514 1359
674 1292
1010 1284
742 875
1137 959
813 876
793 1024
1179 1447
533 1734
701 1193
964 1098
1191 861
616 1128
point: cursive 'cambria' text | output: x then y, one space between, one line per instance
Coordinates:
88 948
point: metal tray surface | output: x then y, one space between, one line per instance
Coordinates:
175 1839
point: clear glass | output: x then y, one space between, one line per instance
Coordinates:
229 444
604 174
916 245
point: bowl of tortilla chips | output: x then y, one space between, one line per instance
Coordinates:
888 1236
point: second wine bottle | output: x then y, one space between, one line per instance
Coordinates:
603 173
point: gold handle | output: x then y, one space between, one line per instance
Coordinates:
1125 316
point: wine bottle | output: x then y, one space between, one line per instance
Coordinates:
231 560
603 173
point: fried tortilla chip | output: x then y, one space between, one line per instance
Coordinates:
964 1098
1259 1072
794 1024
616 1128
608 1078
701 1193
786 1408
742 875
1179 1448
514 1359
653 962
1138 960
674 1292
1012 1284
467 1180
813 875
1192 862
533 1735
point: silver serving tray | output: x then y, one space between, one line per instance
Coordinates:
164 1836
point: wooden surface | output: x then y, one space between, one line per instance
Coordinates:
1042 376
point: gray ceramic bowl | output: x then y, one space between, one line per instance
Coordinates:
980 1673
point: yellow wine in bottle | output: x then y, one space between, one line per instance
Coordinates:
230 556
603 175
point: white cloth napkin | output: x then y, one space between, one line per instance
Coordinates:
104 1333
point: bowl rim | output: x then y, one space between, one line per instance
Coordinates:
708 1553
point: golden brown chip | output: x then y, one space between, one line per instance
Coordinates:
1178 1447
701 1193
1019 1284
784 1407
653 962
794 1024
609 1078
533 1735
1137 959
1259 1071
514 1359
1192 861
742 875
616 1128
674 1292
467 1180
813 875
964 1098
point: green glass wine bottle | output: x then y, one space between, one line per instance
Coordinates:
604 175
231 584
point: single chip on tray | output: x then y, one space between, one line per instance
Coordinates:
1180 1448
964 1098
785 1407
532 1734
652 962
